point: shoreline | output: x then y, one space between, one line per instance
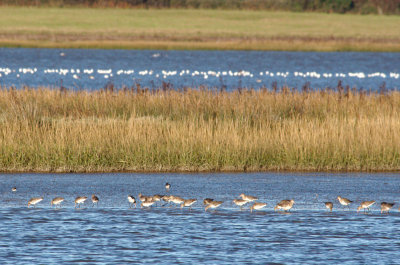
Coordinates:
317 47
186 30
295 171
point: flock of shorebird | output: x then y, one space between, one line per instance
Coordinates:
148 201
365 205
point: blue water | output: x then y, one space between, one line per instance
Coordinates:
114 234
95 69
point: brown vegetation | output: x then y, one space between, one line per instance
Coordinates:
141 130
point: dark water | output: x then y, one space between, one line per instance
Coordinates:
115 234
94 69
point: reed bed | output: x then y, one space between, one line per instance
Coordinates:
50 130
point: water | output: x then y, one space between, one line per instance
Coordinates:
95 69
115 234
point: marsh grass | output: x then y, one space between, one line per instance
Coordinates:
198 130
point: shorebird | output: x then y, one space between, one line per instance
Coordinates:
56 201
34 201
14 189
365 205
132 201
386 206
79 200
240 202
167 186
285 205
147 203
207 201
95 199
145 198
177 200
213 204
188 203
248 197
167 199
344 201
257 206
157 198
329 205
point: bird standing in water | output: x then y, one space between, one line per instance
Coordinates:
95 199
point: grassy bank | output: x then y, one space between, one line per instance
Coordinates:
49 130
196 29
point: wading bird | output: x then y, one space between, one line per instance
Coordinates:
95 199
240 202
344 201
132 201
365 205
257 206
34 201
386 206
285 205
329 205
79 200
207 201
248 197
57 201
188 203
213 204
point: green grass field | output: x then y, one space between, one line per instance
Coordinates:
196 29
52 131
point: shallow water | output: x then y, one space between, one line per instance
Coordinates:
114 234
95 69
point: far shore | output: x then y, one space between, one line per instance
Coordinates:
195 29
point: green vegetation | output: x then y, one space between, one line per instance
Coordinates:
51 130
338 6
196 29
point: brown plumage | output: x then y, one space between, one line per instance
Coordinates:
34 201
386 206
285 205
95 199
329 205
248 197
365 205
344 201
79 200
188 203
148 203
207 201
240 202
56 201
144 198
257 206
177 200
213 204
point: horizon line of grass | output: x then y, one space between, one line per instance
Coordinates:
49 130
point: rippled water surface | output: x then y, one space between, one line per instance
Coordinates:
114 234
95 69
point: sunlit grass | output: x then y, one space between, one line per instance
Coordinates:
198 29
49 130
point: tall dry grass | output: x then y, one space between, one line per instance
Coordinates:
52 130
